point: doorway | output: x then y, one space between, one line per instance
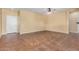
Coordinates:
11 24
74 22
78 24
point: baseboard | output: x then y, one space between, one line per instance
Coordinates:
31 32
0 35
8 33
58 31
3 33
74 32
35 31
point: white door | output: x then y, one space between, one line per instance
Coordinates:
78 24
11 24
78 28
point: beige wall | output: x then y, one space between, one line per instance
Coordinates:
31 22
0 22
7 12
27 21
58 22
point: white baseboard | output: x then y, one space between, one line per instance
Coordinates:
31 31
36 31
58 31
7 33
3 33
74 32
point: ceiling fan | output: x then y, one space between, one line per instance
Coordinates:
50 11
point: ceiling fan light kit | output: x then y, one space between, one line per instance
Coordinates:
50 11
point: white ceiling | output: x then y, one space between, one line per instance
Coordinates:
42 10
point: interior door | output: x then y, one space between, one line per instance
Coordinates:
78 24
11 24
